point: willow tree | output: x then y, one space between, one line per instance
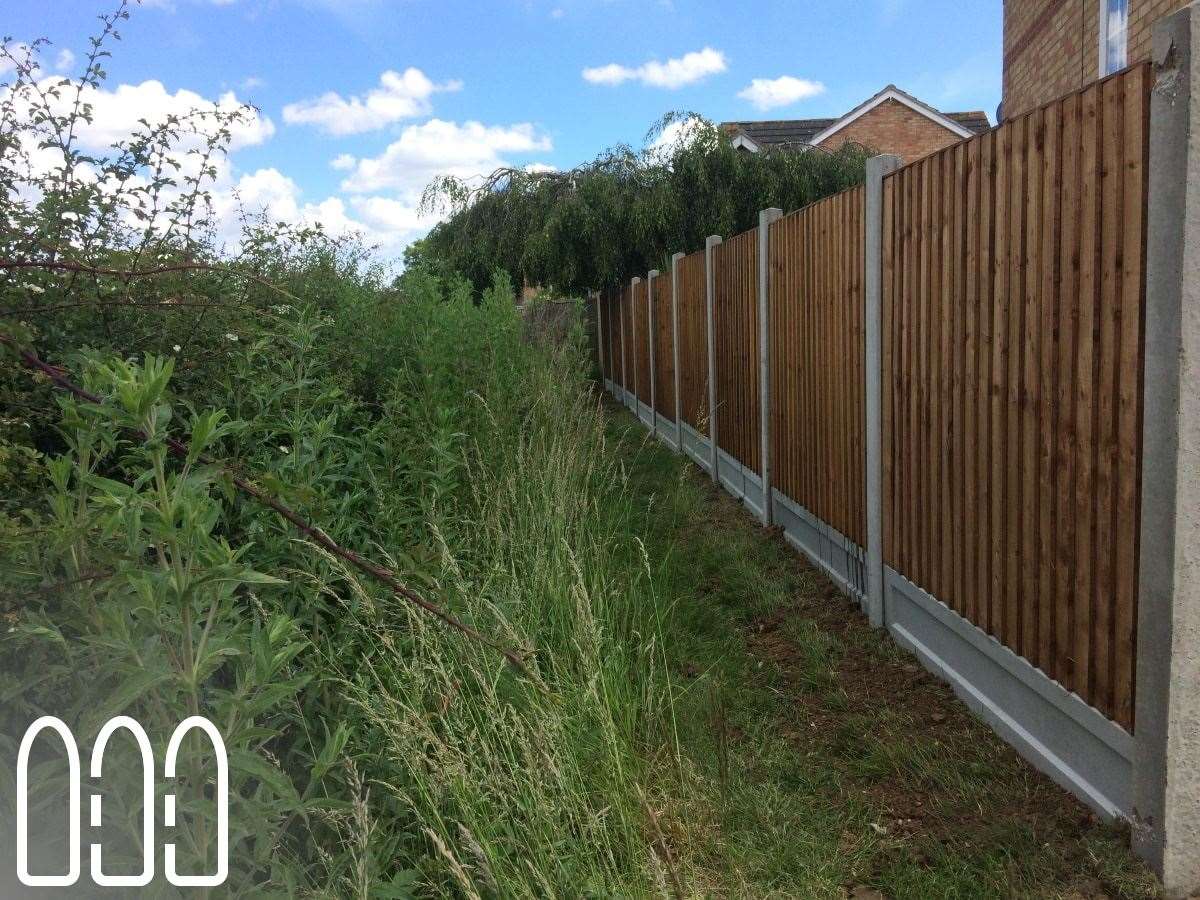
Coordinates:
626 211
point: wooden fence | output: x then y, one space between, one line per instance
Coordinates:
1012 271
627 352
610 334
1013 356
641 329
664 348
693 341
967 391
818 262
735 318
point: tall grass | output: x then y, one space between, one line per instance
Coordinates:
524 790
387 755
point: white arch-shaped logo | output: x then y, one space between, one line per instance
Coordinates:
73 836
222 871
143 742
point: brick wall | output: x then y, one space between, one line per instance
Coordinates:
1052 47
892 127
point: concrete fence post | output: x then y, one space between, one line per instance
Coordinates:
710 291
1166 788
633 340
652 340
675 348
765 218
877 168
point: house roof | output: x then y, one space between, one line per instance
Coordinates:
782 132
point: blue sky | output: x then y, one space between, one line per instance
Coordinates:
475 84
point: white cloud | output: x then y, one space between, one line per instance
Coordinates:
249 84
382 195
674 73
678 132
65 60
539 168
769 93
557 13
399 96
116 113
22 52
437 148
387 223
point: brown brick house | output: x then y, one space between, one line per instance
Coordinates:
1052 47
892 121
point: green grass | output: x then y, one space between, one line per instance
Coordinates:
814 755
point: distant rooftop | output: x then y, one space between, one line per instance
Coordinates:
801 132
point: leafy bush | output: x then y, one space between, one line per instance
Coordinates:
375 752
627 211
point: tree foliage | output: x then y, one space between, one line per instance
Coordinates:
626 211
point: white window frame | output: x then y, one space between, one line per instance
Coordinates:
1104 17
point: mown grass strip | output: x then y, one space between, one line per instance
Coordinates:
819 760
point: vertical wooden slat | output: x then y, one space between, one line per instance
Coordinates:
1068 317
1130 389
933 375
1029 395
924 510
1111 188
971 602
1051 281
911 397
1085 380
945 373
958 517
1014 307
888 376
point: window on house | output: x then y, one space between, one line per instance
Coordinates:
1114 35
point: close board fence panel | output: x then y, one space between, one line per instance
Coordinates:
693 342
664 348
817 267
612 324
642 340
973 363
735 319
604 315
1012 381
627 355
615 340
